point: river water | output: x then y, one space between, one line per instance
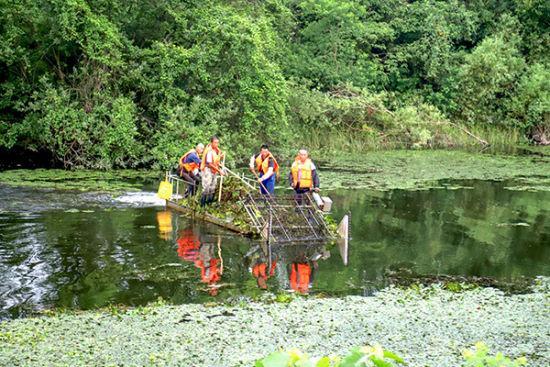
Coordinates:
86 250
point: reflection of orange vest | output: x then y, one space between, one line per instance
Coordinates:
301 174
300 275
215 157
188 245
263 165
189 167
210 273
259 270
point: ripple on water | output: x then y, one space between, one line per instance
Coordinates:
25 263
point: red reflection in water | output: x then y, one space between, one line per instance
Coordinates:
259 271
203 255
300 277
188 245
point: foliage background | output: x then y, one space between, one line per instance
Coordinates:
105 84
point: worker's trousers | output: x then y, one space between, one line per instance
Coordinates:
192 182
208 182
299 195
268 186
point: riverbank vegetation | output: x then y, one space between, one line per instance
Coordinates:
133 84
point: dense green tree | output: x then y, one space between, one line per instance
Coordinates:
96 83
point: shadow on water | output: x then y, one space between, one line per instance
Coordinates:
112 254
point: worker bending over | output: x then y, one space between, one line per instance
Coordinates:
189 165
267 167
303 175
210 167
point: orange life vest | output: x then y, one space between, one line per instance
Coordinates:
189 167
262 165
216 154
302 174
300 275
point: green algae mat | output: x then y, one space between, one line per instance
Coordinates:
426 326
79 180
379 170
413 170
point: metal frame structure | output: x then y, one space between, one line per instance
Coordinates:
286 218
277 219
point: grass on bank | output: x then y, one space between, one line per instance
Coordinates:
443 136
376 356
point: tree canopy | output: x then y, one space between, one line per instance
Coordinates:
135 83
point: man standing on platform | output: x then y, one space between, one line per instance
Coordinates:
267 167
210 167
189 165
303 176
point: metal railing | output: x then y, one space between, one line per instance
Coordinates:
278 219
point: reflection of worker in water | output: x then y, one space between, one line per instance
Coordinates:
304 267
261 273
301 275
210 267
188 245
203 255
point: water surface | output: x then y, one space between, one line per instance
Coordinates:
75 250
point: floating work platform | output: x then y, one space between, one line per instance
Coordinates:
276 219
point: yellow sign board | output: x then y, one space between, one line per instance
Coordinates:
165 190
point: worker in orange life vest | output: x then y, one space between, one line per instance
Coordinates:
210 168
189 165
268 169
303 175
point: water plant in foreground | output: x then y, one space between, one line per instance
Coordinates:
360 356
376 356
480 357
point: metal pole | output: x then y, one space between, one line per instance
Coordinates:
239 177
221 181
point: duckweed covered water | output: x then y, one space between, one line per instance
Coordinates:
417 170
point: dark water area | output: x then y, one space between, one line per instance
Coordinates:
84 251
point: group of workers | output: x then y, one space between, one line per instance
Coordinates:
202 165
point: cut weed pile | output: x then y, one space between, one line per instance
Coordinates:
228 209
